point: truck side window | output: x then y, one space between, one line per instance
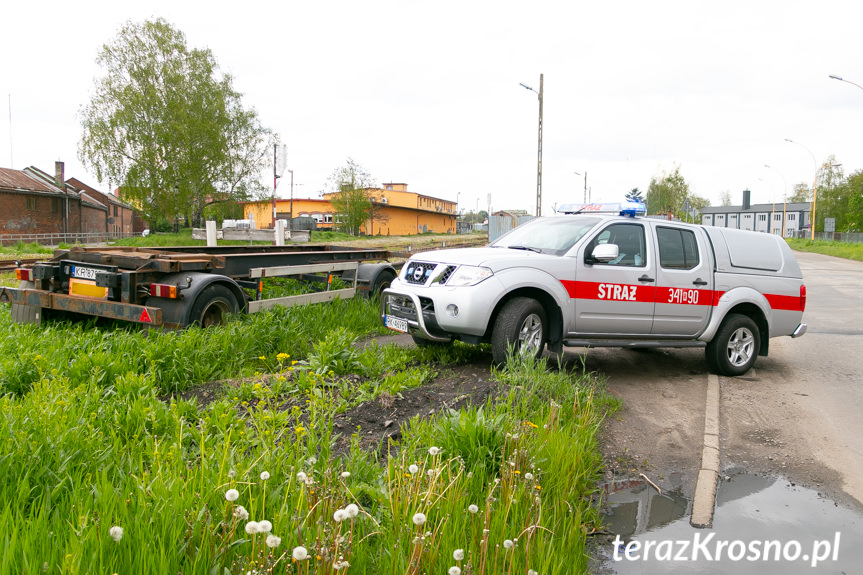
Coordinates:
677 248
630 244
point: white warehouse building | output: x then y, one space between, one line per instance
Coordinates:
767 218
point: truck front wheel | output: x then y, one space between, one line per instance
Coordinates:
521 326
735 346
213 306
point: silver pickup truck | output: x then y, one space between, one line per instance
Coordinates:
587 279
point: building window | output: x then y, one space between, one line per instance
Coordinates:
762 217
777 217
328 218
31 203
115 211
792 217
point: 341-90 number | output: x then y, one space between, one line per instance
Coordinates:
678 295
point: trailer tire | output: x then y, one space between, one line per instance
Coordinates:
522 326
383 281
25 313
213 306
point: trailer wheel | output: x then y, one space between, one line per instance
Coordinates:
383 281
733 349
213 306
522 326
25 313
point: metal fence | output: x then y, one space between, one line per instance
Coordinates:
848 237
499 225
63 238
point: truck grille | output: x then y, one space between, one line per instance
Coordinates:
418 273
444 276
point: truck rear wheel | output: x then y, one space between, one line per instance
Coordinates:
25 313
521 326
213 306
734 347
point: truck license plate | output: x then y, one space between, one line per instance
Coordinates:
84 273
396 323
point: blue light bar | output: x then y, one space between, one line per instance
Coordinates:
631 209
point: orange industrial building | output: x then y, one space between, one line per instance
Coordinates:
396 212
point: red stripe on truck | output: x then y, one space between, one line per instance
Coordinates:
680 296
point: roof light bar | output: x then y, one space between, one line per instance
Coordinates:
631 209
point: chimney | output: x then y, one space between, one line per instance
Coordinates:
59 177
746 196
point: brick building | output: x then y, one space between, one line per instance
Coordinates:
35 206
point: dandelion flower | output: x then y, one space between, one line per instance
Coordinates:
352 510
507 544
241 513
273 541
116 533
265 475
265 526
299 553
340 515
458 554
346 474
419 518
232 495
434 450
262 357
252 527
413 468
472 508
454 570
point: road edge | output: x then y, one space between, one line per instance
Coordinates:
704 502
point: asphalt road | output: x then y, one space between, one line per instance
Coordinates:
798 413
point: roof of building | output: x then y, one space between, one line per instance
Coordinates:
26 181
100 197
757 208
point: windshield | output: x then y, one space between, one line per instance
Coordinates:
547 235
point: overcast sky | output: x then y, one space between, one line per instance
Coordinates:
428 93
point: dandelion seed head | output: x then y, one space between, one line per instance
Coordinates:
352 510
413 468
340 515
265 526
232 474
472 508
232 495
299 553
430 472
301 476
241 513
340 564
265 475
273 541
507 544
252 527
528 476
116 533
419 518
454 570
434 450
458 554
532 572
346 474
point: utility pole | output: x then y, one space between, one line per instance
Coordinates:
291 223
275 179
539 149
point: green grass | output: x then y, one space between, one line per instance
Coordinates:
24 250
89 440
845 250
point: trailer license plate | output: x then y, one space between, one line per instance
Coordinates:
84 273
396 323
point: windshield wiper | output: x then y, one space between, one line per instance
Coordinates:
537 250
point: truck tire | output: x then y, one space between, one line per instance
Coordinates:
25 313
520 325
213 306
734 348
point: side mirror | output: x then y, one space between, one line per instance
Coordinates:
603 253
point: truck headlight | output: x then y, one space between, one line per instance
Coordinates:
469 276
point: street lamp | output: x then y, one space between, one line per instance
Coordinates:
539 149
585 184
841 79
784 196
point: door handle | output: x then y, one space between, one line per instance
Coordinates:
699 282
644 278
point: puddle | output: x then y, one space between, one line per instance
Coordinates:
762 524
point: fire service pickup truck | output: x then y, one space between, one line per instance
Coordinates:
584 278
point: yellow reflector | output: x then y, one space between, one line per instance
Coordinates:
86 288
